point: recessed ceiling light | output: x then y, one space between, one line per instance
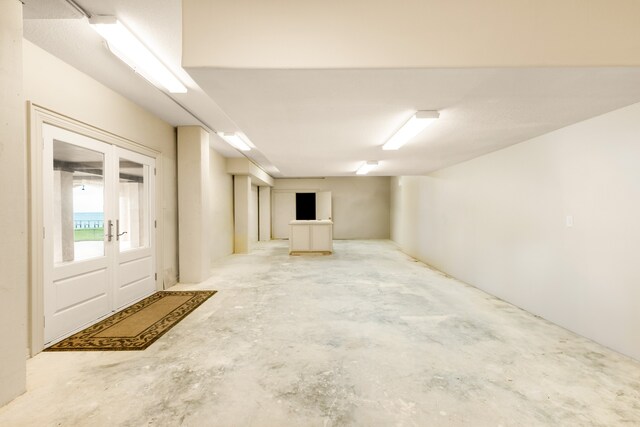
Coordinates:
415 125
367 167
123 44
235 140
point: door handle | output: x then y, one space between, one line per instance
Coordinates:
109 234
118 233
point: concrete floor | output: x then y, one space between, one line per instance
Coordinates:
364 337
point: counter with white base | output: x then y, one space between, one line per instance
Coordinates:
311 236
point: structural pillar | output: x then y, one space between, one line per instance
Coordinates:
193 200
241 200
264 200
14 214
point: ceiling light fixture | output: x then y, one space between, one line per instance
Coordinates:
123 44
235 140
367 167
415 125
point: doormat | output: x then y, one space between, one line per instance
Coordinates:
137 326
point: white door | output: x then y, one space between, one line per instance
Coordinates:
94 191
323 205
284 211
133 233
77 267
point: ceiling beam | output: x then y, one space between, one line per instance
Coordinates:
410 33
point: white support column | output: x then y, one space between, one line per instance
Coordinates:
264 198
14 214
193 198
241 195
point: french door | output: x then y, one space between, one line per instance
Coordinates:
99 234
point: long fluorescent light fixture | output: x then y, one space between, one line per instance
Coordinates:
235 140
415 125
366 168
123 44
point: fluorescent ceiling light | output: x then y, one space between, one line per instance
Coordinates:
366 168
123 44
411 128
235 140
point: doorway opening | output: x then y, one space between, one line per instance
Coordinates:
305 206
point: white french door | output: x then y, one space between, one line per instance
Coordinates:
99 234
133 234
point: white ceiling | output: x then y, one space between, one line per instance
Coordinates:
58 28
327 122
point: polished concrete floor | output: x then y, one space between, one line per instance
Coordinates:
364 337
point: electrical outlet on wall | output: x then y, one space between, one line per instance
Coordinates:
569 221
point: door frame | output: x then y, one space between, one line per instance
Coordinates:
37 116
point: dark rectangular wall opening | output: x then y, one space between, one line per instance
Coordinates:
306 206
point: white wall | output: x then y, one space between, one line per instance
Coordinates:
13 213
360 204
499 222
220 218
55 85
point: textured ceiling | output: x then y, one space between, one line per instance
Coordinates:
327 122
50 9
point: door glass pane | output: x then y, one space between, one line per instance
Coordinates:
78 203
133 200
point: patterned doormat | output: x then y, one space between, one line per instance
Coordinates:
138 326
